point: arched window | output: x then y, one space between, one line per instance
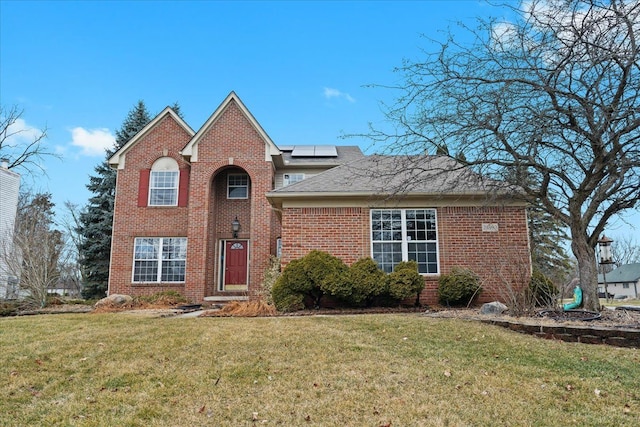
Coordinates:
163 182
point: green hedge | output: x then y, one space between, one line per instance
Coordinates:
305 281
459 287
360 284
405 281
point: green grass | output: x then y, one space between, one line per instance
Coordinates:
365 370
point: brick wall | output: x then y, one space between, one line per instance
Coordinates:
167 138
495 256
231 144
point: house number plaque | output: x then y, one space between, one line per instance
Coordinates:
490 227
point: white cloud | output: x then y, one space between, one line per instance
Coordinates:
330 93
20 132
93 142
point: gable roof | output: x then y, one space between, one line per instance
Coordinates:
628 273
379 175
117 159
190 151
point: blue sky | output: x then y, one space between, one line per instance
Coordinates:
302 68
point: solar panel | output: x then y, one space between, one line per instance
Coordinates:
303 151
314 151
326 151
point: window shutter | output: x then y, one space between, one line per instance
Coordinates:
183 188
143 187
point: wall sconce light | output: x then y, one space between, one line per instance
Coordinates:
235 227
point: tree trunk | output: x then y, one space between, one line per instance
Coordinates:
588 272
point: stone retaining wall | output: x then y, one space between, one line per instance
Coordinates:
589 335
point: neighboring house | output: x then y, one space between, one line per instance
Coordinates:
623 281
203 212
64 289
9 191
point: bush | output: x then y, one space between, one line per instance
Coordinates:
405 281
270 277
307 278
289 289
459 287
542 291
360 284
9 308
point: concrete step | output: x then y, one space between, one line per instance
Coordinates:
225 298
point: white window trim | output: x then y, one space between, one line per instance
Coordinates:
175 189
405 242
237 186
286 178
160 260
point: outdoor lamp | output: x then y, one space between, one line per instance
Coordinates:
235 227
605 250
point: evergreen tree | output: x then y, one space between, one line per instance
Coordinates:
176 109
97 220
548 240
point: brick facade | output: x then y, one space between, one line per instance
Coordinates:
130 220
231 144
490 240
493 255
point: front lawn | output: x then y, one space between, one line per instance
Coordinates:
361 370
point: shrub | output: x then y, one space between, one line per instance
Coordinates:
307 278
271 275
289 289
9 308
542 291
459 287
360 284
323 270
405 281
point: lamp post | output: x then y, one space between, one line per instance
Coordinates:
605 258
235 227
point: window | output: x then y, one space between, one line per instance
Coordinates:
163 188
404 235
163 182
238 186
625 286
292 178
159 259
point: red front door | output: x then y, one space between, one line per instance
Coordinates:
235 265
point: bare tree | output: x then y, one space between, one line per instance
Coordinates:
21 146
549 101
625 250
73 273
36 251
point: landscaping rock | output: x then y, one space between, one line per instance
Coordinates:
493 308
115 300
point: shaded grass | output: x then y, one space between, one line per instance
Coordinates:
365 370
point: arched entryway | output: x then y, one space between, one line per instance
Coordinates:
229 232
